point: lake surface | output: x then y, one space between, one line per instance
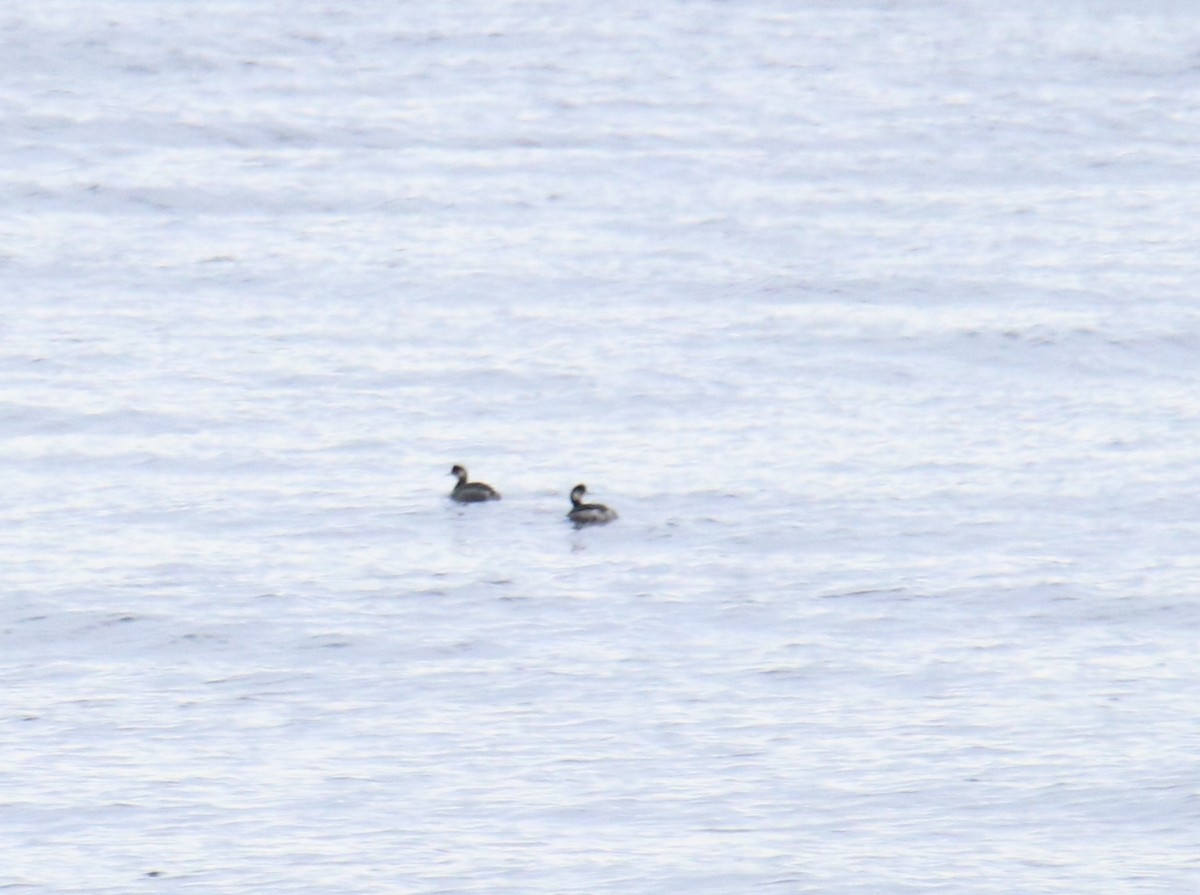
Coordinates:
877 323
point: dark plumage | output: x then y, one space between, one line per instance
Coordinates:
588 513
471 492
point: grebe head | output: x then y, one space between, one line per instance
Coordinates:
460 472
577 492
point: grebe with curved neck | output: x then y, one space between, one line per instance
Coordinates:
471 492
588 513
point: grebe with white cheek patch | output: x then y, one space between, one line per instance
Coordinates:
588 513
471 492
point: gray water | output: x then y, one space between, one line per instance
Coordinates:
874 321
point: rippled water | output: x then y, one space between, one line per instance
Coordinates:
874 321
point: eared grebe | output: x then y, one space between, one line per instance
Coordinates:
471 492
588 513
